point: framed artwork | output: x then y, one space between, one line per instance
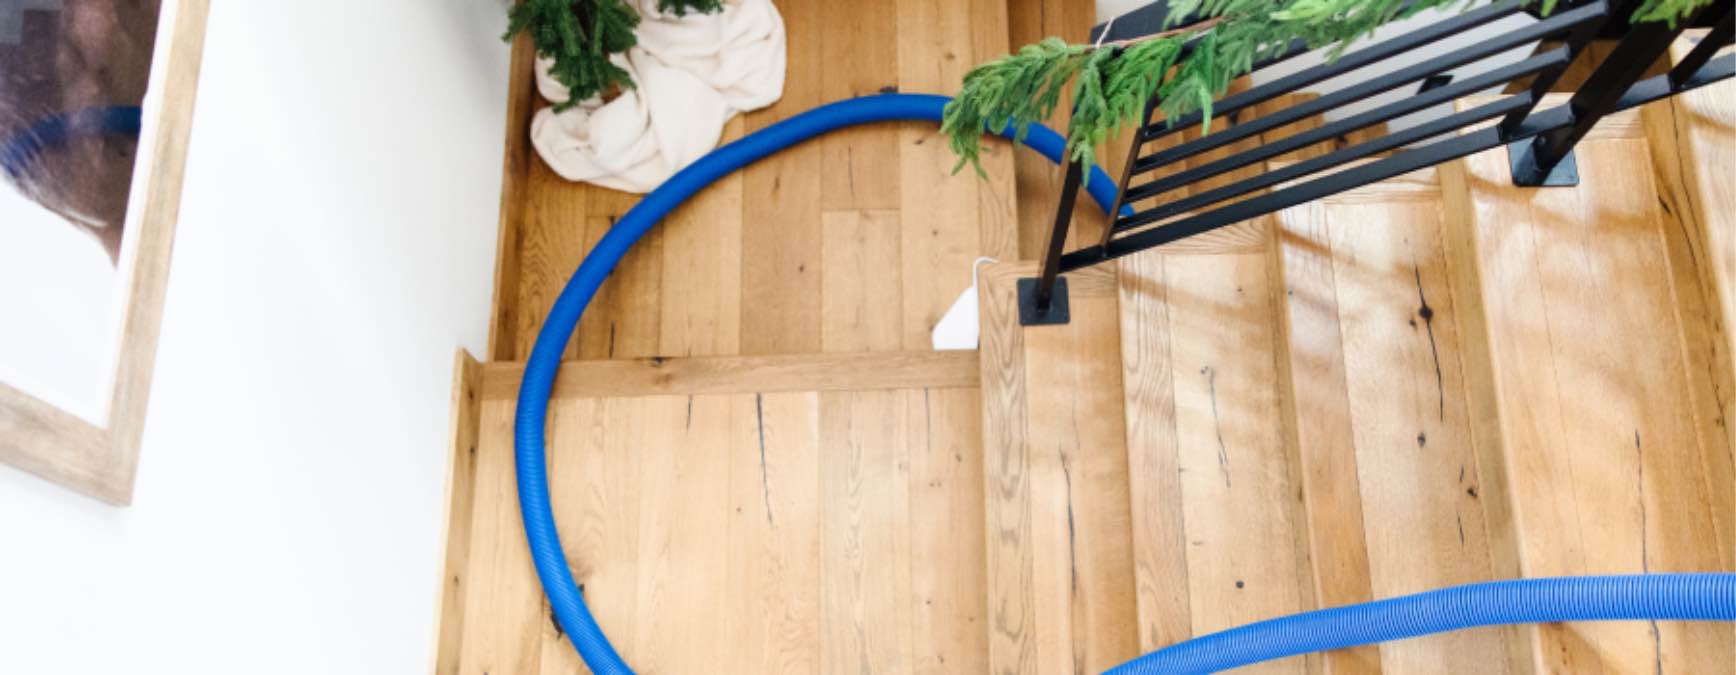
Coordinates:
96 103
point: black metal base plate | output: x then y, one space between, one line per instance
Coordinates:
1056 313
1565 174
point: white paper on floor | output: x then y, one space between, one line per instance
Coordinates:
958 328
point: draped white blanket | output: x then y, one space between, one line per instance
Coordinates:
692 73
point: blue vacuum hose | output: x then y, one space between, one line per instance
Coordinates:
1654 597
1663 596
545 357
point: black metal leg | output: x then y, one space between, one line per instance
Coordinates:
1577 38
1599 96
1037 300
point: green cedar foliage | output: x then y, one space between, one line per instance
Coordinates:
1111 83
581 35
682 7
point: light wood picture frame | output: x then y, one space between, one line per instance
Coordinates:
101 461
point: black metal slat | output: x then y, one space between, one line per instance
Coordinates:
1318 164
1720 36
1295 48
1575 42
1369 118
1600 94
1376 85
1396 165
1126 177
1660 87
1353 60
1642 92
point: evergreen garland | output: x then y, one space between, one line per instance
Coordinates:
581 35
1110 89
681 7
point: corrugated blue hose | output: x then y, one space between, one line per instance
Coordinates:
564 597
1653 597
1237 647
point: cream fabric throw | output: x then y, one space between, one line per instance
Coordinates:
692 73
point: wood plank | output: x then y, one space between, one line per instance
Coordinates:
460 503
997 199
504 601
1246 552
780 226
949 633
743 374
773 573
1692 137
683 510
865 550
1081 538
1605 458
503 324
861 303
623 319
1153 466
1012 608
1056 469
591 483
856 54
1319 424
1102 281
1376 364
940 223
702 259
551 245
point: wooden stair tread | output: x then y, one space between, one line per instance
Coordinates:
1693 142
1433 380
1613 460
1411 385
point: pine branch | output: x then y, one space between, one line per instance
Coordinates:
682 7
581 35
1110 90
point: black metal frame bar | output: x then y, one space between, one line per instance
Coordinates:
1602 91
1720 35
1338 158
1294 49
1540 139
1357 122
1236 102
1643 92
1576 41
1376 85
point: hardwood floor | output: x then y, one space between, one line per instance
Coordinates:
758 465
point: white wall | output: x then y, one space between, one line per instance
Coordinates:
58 299
335 245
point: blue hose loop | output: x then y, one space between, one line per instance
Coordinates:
1653 597
1687 597
56 130
565 599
